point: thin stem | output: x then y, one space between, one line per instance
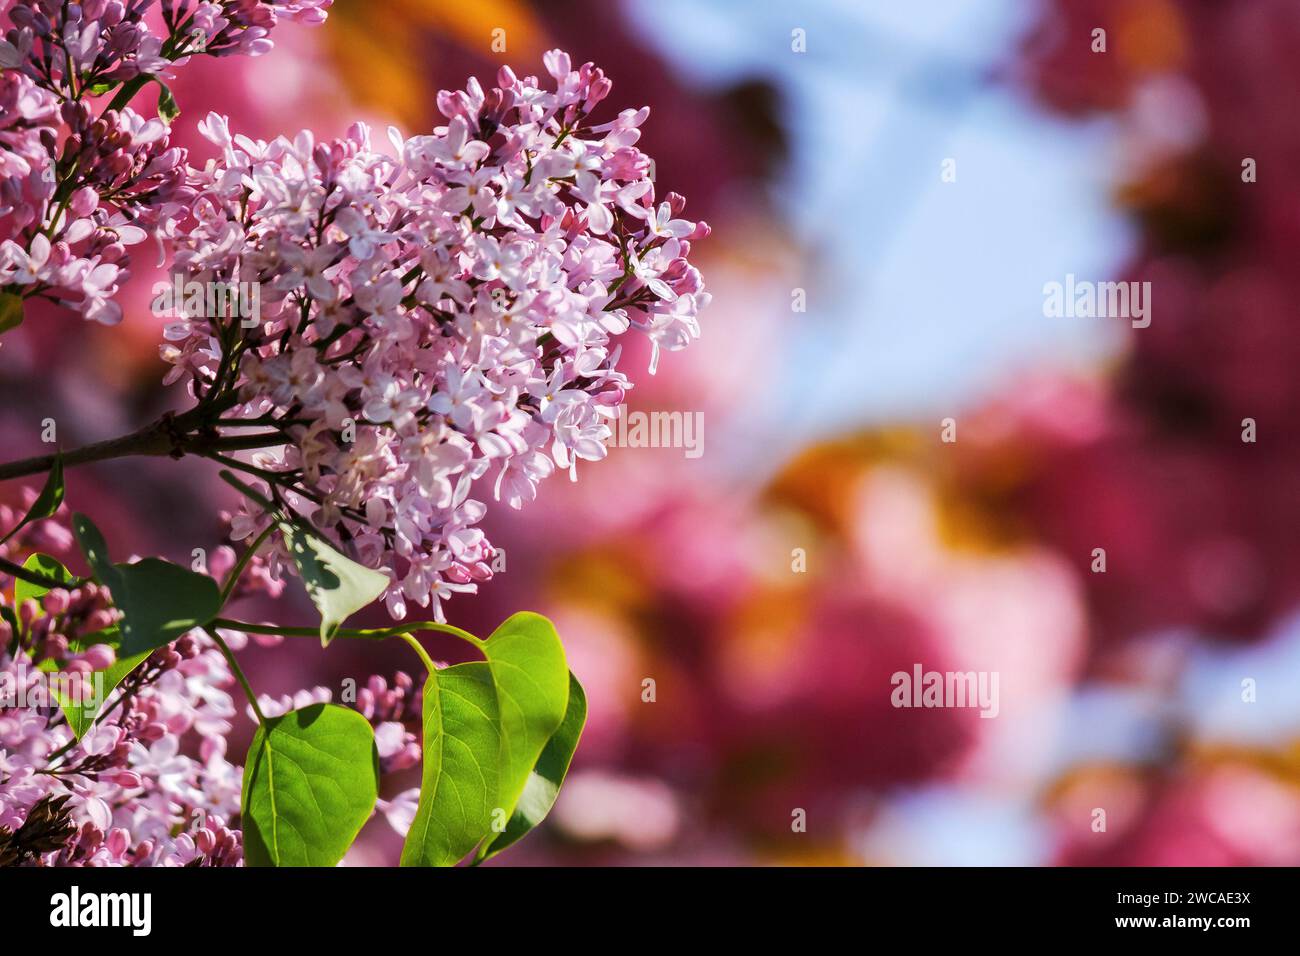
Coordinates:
240 442
34 577
62 750
232 625
151 440
419 649
233 578
270 477
364 634
170 435
127 92
238 671
245 490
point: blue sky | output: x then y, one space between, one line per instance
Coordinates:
923 295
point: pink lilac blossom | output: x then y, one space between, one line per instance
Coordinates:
77 189
48 537
126 788
435 322
151 783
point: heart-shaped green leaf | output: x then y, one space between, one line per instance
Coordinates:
42 564
532 683
159 600
81 712
310 784
47 502
337 585
92 544
462 744
543 786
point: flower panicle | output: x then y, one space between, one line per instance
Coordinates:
436 322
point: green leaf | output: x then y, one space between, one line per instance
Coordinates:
532 682
47 502
543 786
310 784
159 600
337 585
81 713
99 89
41 564
92 545
458 789
11 311
167 108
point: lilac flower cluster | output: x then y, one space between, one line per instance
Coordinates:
125 794
443 316
48 537
74 48
63 620
134 792
150 784
77 189
436 319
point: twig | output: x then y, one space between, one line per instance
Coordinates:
174 435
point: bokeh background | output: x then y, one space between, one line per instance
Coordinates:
821 174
